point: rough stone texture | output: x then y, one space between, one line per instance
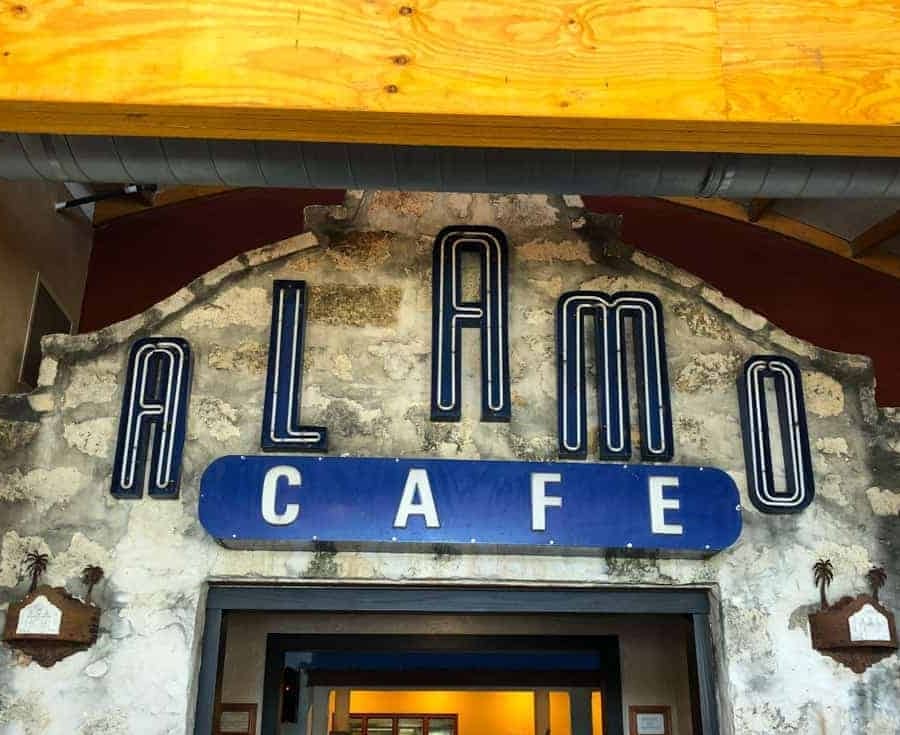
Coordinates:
356 250
708 371
26 713
251 357
824 395
354 306
281 249
93 437
42 487
700 320
664 269
834 445
12 553
14 435
216 417
235 307
797 346
47 372
400 202
42 402
549 251
527 210
71 562
884 502
367 378
743 316
831 488
96 385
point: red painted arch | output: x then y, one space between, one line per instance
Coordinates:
822 298
810 293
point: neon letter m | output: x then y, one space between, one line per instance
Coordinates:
610 314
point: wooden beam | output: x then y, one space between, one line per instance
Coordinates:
875 235
771 221
794 76
110 209
882 262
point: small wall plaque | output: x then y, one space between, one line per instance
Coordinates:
39 617
855 631
49 624
650 720
868 624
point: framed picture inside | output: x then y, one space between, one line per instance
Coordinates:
234 718
650 720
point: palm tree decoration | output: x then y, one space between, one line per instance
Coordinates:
35 565
876 578
90 577
823 574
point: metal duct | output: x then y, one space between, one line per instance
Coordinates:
360 166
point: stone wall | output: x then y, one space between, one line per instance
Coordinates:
367 379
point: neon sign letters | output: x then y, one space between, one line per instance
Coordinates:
610 313
154 415
281 430
450 314
153 422
787 385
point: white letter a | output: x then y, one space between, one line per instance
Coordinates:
417 484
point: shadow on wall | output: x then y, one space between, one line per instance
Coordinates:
819 297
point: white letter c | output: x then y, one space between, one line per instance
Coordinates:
270 490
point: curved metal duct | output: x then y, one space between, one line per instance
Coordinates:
360 166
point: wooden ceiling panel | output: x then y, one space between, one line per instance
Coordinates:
796 76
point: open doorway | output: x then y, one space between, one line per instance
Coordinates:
379 666
402 684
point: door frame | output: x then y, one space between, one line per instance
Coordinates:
693 603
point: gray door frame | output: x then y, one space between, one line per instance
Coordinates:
450 599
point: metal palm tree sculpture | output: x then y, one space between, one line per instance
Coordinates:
89 577
35 565
876 578
823 574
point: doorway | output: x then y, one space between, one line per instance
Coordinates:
329 682
504 660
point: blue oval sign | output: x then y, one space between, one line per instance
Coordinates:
399 504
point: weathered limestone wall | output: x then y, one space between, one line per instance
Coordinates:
367 380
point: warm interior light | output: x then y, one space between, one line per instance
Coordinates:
479 712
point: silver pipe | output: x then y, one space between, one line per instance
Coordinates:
105 159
